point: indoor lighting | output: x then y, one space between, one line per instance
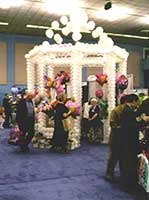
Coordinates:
145 19
128 36
5 4
87 31
41 27
115 13
4 23
36 26
145 31
61 7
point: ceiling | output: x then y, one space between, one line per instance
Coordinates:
32 13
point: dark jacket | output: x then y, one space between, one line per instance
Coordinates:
21 112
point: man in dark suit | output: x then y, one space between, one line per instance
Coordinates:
25 120
129 143
115 119
8 111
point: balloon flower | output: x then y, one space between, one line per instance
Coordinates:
59 90
62 77
73 106
99 93
121 82
101 78
47 81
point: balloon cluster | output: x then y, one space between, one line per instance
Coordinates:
121 82
48 82
61 78
101 78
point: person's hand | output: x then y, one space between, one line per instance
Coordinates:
72 109
146 118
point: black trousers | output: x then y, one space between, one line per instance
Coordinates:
27 128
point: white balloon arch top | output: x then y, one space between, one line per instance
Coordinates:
47 56
77 23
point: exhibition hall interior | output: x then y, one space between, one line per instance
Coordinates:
74 99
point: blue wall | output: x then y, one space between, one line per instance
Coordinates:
12 39
144 63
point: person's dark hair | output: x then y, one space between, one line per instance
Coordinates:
132 97
123 99
144 107
61 97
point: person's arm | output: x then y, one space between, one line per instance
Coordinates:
93 117
113 119
96 114
65 115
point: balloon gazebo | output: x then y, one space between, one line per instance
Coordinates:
45 58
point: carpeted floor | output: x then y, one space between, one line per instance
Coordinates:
41 175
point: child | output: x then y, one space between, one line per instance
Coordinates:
2 117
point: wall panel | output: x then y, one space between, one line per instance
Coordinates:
3 63
20 62
134 67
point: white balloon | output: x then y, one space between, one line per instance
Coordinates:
55 24
91 25
109 42
99 30
83 16
103 37
49 33
45 44
57 36
95 34
60 40
76 36
64 20
65 31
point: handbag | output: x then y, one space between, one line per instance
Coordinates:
67 123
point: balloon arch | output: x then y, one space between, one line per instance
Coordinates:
46 57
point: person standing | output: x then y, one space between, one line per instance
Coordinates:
129 143
60 136
7 110
114 139
25 119
95 123
85 117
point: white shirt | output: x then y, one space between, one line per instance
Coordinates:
86 108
